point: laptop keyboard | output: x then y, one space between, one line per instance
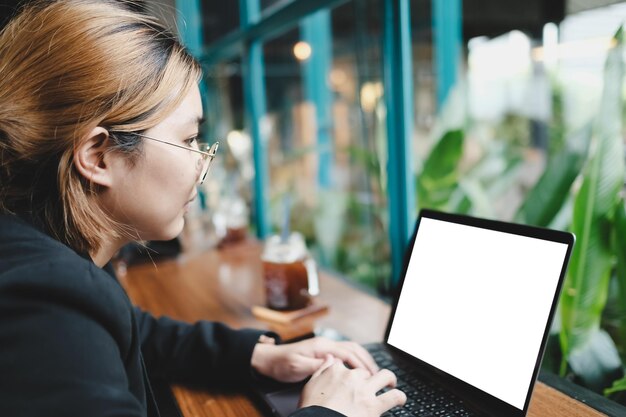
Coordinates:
424 398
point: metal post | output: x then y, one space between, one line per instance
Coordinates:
316 31
448 38
254 98
189 22
398 99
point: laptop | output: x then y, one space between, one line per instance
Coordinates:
470 318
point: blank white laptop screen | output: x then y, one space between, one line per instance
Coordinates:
475 304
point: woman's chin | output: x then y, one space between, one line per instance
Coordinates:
172 231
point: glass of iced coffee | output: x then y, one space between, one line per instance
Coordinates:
289 273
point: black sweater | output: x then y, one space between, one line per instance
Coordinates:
71 343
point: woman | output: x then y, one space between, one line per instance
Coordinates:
99 114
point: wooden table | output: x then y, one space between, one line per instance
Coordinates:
222 285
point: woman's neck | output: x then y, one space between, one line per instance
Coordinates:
106 251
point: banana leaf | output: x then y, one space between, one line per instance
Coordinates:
440 174
549 194
485 182
480 203
619 385
507 178
585 291
619 248
596 364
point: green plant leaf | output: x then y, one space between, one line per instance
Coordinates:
480 204
552 355
294 155
619 249
439 176
585 291
329 221
619 385
548 195
365 158
597 363
485 182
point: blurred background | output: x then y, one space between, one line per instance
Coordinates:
340 119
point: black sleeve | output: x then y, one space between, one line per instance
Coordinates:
315 411
202 353
62 350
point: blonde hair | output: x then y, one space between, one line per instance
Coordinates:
66 67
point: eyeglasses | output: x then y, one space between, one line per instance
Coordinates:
206 152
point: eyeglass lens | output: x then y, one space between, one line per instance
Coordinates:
206 160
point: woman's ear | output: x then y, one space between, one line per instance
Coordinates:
91 157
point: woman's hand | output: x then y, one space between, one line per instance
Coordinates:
295 361
351 392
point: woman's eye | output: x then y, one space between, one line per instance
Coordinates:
191 141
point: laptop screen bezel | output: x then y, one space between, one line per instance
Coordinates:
474 396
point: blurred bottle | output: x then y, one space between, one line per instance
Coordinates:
231 220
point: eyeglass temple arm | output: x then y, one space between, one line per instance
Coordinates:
178 146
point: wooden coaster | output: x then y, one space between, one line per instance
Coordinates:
313 310
291 324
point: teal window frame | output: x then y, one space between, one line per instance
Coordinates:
398 86
257 26
254 102
448 38
315 29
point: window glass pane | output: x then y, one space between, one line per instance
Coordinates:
223 210
327 146
537 101
219 18
424 99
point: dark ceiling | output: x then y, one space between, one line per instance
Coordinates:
495 17
480 17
